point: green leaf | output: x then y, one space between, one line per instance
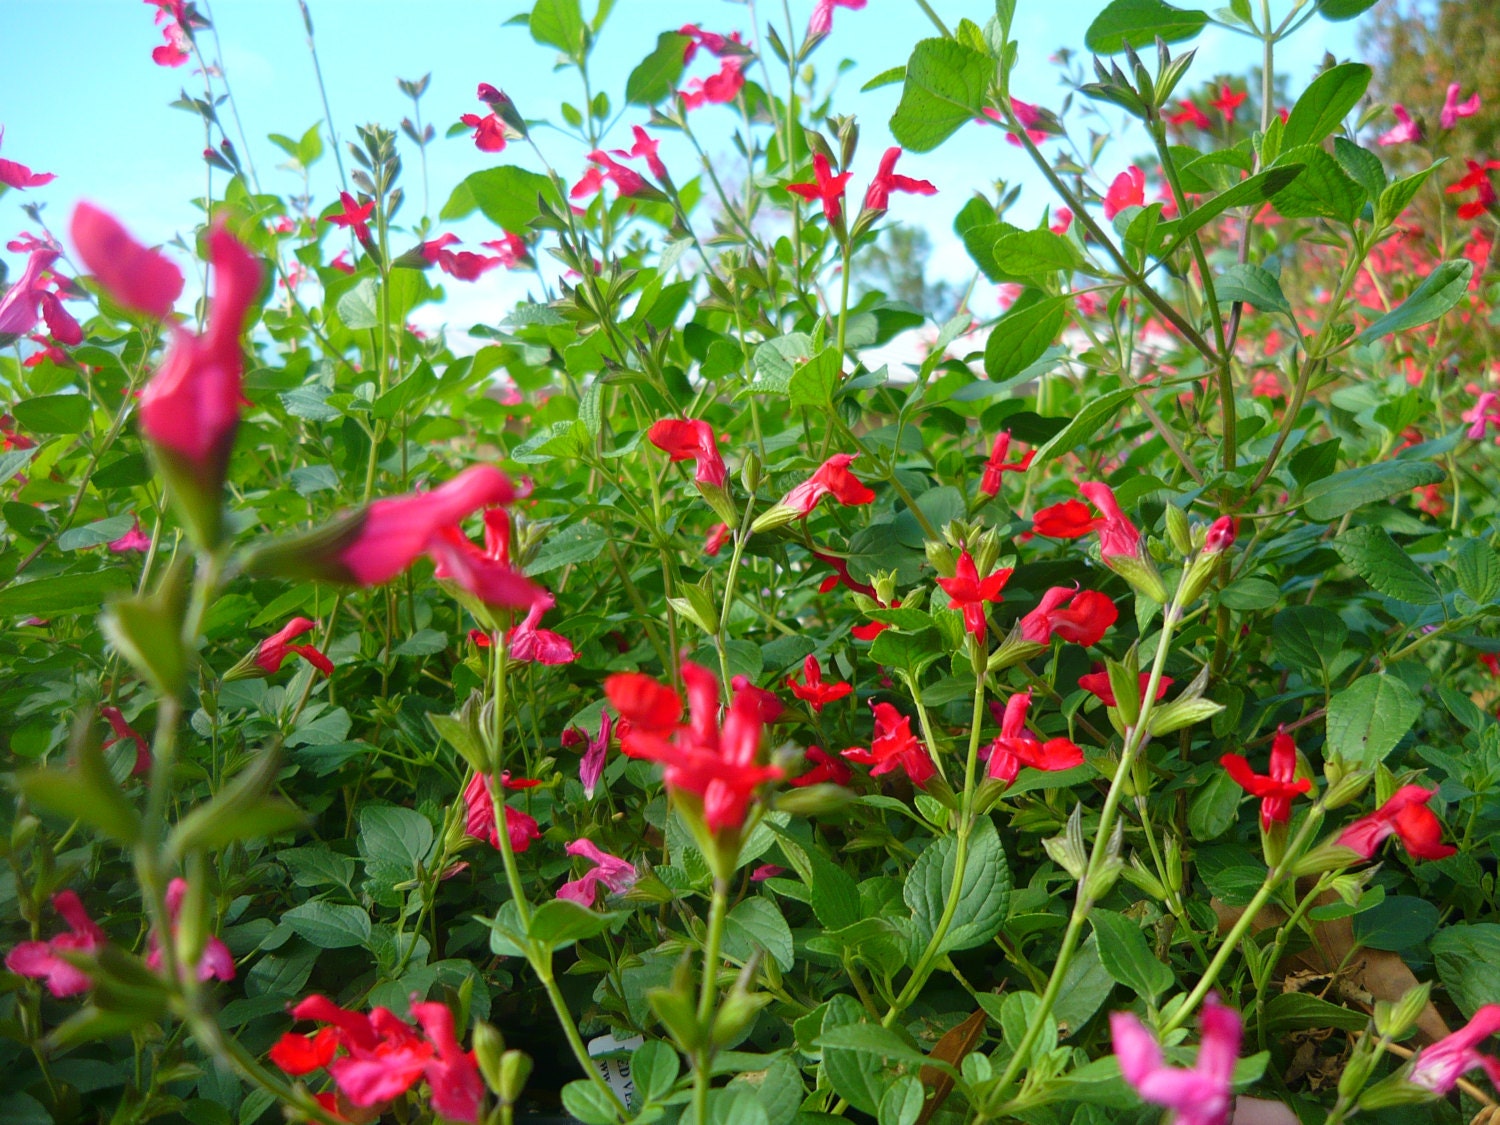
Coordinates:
1369 717
654 1067
1258 188
1336 11
1085 426
85 792
813 383
1021 336
507 196
755 924
1361 164
1213 807
328 925
1126 957
559 23
1440 290
1255 285
1467 958
1322 191
1308 636
856 1075
1325 103
63 593
94 534
945 88
1477 568
1376 557
1035 253
1399 194
54 414
357 308
561 922
1296 1011
1138 23
393 835
983 898
887 77
1334 497
1085 986
911 652
13 461
589 1104
656 76
1397 923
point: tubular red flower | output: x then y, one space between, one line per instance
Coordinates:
832 478
1405 132
1097 684
479 818
841 576
877 196
826 769
968 592
123 730
354 216
645 146
1128 189
1453 109
647 705
270 653
894 745
302 1054
591 765
1227 101
1086 619
826 187
614 874
139 279
20 177
996 466
718 535
691 439
813 690
821 22
1188 113
627 181
489 131
1068 520
1117 536
531 644
1220 536
1015 746
215 962
717 89
20 307
1438 1067
1405 815
1276 788
452 1075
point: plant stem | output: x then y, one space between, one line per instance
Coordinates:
703 1057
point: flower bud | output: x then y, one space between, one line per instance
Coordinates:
750 472
884 582
489 1049
814 800
1179 530
1141 574
1401 1017
1392 1091
1220 537
1343 788
1356 1074
515 1068
1327 856
943 558
1137 874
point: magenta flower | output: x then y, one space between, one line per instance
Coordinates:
1200 1096
1453 109
270 653
1128 189
821 22
140 279
616 875
20 177
133 540
1482 415
1405 132
887 180
1438 1067
215 963
479 818
41 960
20 307
645 146
591 768
530 644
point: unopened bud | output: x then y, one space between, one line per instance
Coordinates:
750 472
1178 530
942 557
1356 1074
489 1048
884 582
1220 536
1404 1013
1137 874
515 1069
1343 787
1141 574
1327 856
814 800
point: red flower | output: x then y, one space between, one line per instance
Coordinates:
1064 221
274 649
1477 180
645 145
1097 684
711 41
877 197
489 131
19 307
768 705
302 1054
140 279
718 88
1220 536
123 730
1189 114
821 22
1015 746
494 582
1068 520
826 769
705 762
627 181
19 176
1405 815
691 439
512 250
1227 102
530 644
1118 536
176 47
41 960
452 1076
841 576
996 467
832 478
479 817
215 963
868 631
814 691
1086 619
894 745
826 187
616 875
718 535
355 216
1128 189
1276 788
968 592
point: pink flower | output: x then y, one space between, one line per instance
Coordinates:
511 250
828 188
1117 536
1088 615
821 22
175 49
691 439
1453 109
1405 815
1128 189
717 89
591 767
645 145
627 181
270 653
479 818
123 730
1438 1067
41 960
1189 114
20 177
711 41
967 591
616 875
766 871
353 216
20 306
1064 219
877 197
452 1075
133 540
1404 133
215 963
1483 414
493 581
718 535
1200 1096
1015 746
1220 535
530 644
832 478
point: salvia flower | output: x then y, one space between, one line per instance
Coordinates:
530 643
1277 787
832 478
20 306
691 439
627 181
489 131
591 766
1405 815
812 690
270 653
1405 132
133 540
967 591
353 216
1117 535
877 196
894 746
821 22
1188 113
140 279
826 769
215 962
1128 189
479 816
1070 519
614 874
1015 746
826 188
122 731
1221 535
43 960
1097 684
1477 180
1080 617
717 89
1200 1096
645 146
997 466
1453 109
20 177
714 542
1485 413
711 41
1227 101
1439 1066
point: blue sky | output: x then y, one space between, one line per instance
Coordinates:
85 100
